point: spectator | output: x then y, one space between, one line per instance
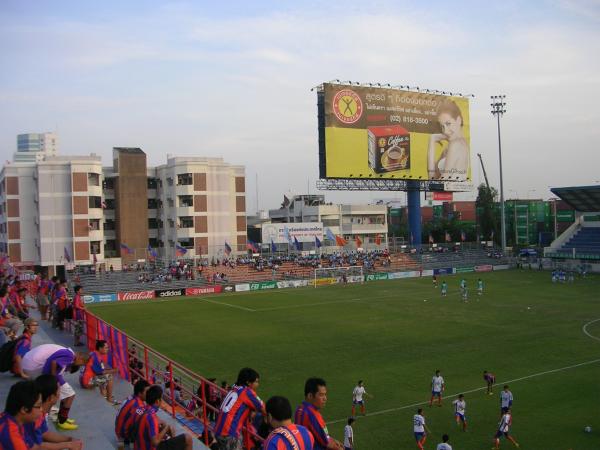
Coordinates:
99 372
152 433
23 405
52 359
78 315
131 410
285 434
235 409
37 433
8 322
23 346
42 297
308 414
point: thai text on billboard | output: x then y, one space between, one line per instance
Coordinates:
373 132
281 233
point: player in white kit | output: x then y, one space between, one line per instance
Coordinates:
504 429
444 445
419 428
357 397
437 387
506 399
459 411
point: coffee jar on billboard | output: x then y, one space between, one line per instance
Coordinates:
388 148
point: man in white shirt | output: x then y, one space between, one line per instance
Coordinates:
419 428
504 429
444 445
459 411
349 435
357 398
506 399
437 387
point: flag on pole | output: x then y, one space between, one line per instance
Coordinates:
340 241
447 236
286 234
329 235
431 241
378 239
227 249
250 245
463 236
179 250
273 247
67 256
318 242
103 205
358 241
296 244
126 248
152 252
94 259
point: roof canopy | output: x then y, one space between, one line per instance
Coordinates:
581 198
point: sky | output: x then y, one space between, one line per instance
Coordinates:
233 79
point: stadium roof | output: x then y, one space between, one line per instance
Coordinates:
581 198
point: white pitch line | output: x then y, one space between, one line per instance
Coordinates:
413 405
243 308
586 331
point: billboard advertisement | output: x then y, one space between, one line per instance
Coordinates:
205 290
99 298
373 132
163 293
282 233
140 295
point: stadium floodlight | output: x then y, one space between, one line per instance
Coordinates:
498 109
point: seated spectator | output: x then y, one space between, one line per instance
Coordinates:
236 407
23 346
285 434
9 323
99 372
52 359
37 433
131 410
23 405
152 433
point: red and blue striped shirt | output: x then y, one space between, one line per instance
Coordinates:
234 411
291 437
34 431
147 429
310 417
131 410
12 435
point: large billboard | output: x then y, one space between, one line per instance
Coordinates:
281 233
372 132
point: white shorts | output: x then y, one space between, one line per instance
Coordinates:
66 391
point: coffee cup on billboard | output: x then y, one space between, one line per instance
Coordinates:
394 154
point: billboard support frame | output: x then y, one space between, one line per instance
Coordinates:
375 184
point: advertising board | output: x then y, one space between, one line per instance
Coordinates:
262 285
464 270
399 275
282 233
324 281
204 290
99 298
291 283
139 295
442 196
376 276
369 132
163 293
242 287
501 267
444 271
484 268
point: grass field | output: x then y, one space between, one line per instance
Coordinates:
525 329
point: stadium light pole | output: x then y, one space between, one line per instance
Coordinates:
498 109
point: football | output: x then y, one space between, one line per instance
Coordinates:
588 429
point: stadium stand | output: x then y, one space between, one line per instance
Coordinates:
586 240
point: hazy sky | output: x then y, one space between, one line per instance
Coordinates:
233 79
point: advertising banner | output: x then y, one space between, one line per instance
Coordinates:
484 268
464 270
391 133
501 267
242 287
163 293
204 290
262 285
282 233
292 283
99 298
427 273
399 275
376 276
445 271
229 288
442 196
323 281
140 295
355 279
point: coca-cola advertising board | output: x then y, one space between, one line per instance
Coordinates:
139 295
204 290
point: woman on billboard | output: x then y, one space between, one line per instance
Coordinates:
453 162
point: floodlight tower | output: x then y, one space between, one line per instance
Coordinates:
498 109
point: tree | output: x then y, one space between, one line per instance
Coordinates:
486 207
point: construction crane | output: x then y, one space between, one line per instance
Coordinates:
484 173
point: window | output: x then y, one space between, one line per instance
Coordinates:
153 242
94 202
152 223
186 222
171 223
186 201
330 222
95 247
94 224
170 202
109 225
152 203
186 243
93 179
108 183
110 203
152 183
184 179
170 181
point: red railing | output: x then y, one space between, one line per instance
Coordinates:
185 392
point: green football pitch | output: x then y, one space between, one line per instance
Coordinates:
542 339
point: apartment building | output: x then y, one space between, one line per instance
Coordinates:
33 147
70 210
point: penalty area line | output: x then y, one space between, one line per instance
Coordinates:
243 308
413 405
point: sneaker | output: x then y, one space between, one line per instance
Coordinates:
66 426
71 421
